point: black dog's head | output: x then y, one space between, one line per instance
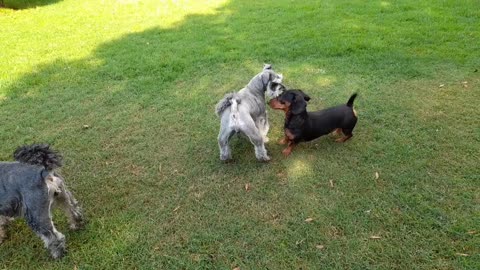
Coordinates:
294 101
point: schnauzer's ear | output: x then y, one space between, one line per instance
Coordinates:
299 105
267 66
278 78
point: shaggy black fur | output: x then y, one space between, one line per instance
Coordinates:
38 154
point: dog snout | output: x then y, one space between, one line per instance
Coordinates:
276 104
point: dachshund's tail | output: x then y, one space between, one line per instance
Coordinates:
351 99
40 155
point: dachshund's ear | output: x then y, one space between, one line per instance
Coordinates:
305 96
299 105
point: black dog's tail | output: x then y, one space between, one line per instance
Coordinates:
38 154
351 99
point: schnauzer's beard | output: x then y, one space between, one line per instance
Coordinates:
274 89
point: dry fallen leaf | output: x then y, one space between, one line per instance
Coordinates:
331 183
441 85
309 219
176 208
462 254
320 247
472 232
86 126
375 237
247 186
377 175
236 268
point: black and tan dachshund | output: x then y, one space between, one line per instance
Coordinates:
301 125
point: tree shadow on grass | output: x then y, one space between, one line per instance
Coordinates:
135 120
25 4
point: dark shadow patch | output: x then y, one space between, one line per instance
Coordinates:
25 4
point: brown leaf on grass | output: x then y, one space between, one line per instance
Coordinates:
441 85
176 208
331 183
309 219
462 254
320 247
85 126
377 175
472 232
375 237
236 268
282 176
247 187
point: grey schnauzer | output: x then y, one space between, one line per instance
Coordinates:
30 188
245 112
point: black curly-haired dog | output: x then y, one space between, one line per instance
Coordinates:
301 125
30 188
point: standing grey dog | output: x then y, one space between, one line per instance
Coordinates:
245 112
30 188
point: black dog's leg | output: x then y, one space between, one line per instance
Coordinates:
290 139
286 152
283 141
348 134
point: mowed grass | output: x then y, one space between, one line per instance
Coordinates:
126 91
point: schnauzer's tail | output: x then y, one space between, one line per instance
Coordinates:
351 99
38 154
224 103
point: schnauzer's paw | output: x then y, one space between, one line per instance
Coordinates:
57 254
57 249
264 159
77 225
225 158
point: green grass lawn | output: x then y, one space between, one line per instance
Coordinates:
145 77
